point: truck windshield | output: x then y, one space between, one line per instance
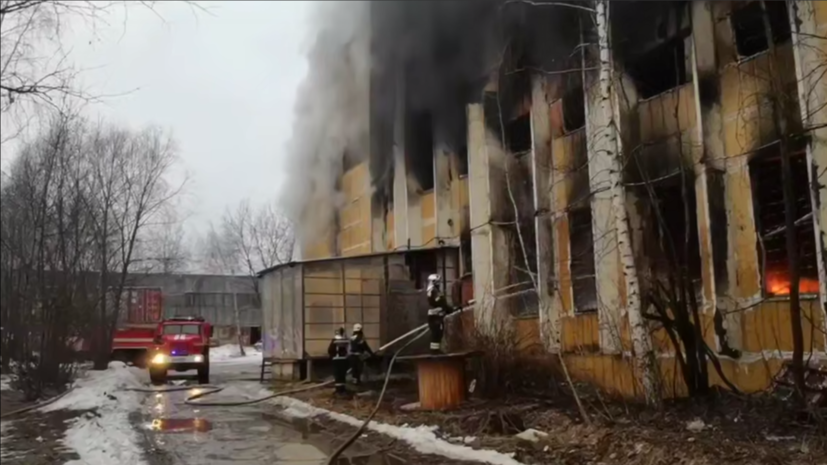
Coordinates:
181 329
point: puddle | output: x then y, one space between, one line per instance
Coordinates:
180 425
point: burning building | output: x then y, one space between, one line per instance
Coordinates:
581 165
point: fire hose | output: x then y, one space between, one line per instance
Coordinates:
417 332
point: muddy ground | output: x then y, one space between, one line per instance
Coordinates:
37 437
729 429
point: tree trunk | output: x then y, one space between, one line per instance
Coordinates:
238 325
644 357
790 214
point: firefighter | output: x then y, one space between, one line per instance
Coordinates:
438 309
359 349
338 351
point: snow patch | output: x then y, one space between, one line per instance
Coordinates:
421 438
105 435
230 353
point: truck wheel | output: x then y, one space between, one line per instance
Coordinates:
204 374
157 377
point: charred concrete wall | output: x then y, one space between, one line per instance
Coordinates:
692 95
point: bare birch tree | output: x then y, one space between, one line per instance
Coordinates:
644 356
249 240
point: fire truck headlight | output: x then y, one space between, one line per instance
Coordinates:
160 359
198 358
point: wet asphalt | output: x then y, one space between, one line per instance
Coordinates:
174 433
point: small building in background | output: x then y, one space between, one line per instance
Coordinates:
217 298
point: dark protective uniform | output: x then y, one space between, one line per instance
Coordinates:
438 309
338 351
359 348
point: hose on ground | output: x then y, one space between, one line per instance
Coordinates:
36 406
335 455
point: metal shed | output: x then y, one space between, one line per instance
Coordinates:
303 303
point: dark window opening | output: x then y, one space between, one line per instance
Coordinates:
420 153
462 158
678 248
574 110
465 252
718 229
421 266
768 203
521 268
518 134
748 26
583 279
660 69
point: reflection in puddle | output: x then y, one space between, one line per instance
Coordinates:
180 425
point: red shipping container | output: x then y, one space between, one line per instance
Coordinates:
143 305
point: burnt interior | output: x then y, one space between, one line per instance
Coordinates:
650 40
419 148
718 228
672 244
748 26
574 109
583 275
518 134
768 204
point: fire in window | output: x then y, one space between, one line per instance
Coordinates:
768 195
748 26
584 285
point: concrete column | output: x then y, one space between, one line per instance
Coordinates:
809 26
489 249
447 216
400 174
708 153
541 170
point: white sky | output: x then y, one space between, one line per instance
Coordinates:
223 82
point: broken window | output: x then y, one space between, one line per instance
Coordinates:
660 69
583 281
748 26
574 109
718 228
462 158
518 134
420 153
768 201
676 234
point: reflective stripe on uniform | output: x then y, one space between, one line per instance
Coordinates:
435 345
435 311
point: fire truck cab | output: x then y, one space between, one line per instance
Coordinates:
181 344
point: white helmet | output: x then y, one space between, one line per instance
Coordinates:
434 279
357 327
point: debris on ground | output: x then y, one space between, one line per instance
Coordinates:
541 429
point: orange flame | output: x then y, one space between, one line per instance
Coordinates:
780 285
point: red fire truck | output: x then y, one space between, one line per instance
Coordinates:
181 344
141 312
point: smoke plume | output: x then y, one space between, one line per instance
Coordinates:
444 52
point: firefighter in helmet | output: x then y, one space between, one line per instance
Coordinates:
338 351
359 350
438 309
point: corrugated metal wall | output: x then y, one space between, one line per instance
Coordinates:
340 293
281 299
